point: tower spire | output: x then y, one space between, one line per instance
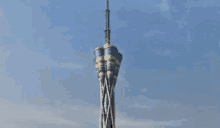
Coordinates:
107 23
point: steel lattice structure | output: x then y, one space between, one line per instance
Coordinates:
108 61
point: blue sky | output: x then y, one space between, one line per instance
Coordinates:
168 76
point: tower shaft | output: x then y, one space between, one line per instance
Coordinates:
107 112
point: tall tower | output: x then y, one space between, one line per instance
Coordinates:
108 61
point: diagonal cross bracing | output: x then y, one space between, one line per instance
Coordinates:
107 106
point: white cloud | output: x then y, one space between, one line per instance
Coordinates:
202 3
1 13
143 90
25 56
22 62
162 113
7 82
80 111
188 37
39 115
124 121
4 31
139 106
164 6
13 114
71 65
182 22
152 32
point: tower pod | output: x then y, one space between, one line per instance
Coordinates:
113 60
100 63
117 67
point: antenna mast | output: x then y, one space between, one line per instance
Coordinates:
107 23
